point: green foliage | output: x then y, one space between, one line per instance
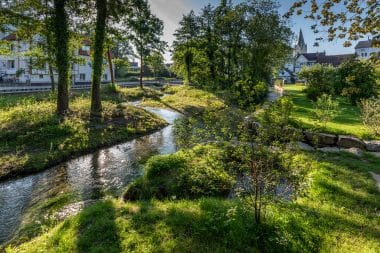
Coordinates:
320 80
326 109
201 171
348 19
232 48
155 63
371 114
356 80
247 93
279 113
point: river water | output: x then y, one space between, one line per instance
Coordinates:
107 171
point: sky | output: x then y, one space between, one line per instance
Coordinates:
171 12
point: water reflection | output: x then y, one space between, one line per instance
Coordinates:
105 171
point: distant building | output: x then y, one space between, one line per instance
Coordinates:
302 58
17 67
134 66
309 59
365 49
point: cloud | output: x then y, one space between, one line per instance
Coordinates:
171 12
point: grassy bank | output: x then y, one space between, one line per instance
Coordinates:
32 137
348 120
187 100
338 213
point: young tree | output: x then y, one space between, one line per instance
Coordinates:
326 109
146 30
155 62
186 40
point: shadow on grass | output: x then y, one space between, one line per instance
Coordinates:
97 230
211 226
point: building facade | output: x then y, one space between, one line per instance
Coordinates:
17 67
365 49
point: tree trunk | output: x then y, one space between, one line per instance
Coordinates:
61 33
110 65
100 32
141 70
51 73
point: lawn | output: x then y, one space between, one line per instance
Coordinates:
187 100
347 122
33 138
337 213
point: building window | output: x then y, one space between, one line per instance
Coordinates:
105 77
12 48
11 64
82 77
41 76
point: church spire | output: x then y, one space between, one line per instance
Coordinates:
301 41
301 47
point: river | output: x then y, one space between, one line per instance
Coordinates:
106 171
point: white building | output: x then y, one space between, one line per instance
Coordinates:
365 49
17 68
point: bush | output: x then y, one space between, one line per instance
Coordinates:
320 79
371 114
201 171
248 92
356 80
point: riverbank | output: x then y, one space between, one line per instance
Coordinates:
337 213
33 138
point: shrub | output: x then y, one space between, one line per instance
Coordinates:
320 79
356 80
371 114
326 109
248 92
201 171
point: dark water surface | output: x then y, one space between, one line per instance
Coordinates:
105 171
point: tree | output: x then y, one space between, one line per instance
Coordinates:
146 30
186 40
348 19
233 48
155 62
319 79
100 33
371 114
61 42
326 109
356 80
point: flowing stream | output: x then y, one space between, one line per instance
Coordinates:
106 171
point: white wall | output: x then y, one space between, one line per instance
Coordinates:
365 53
42 75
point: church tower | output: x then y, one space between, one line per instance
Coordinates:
301 47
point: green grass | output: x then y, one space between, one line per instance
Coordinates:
338 213
32 137
187 100
129 94
347 122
